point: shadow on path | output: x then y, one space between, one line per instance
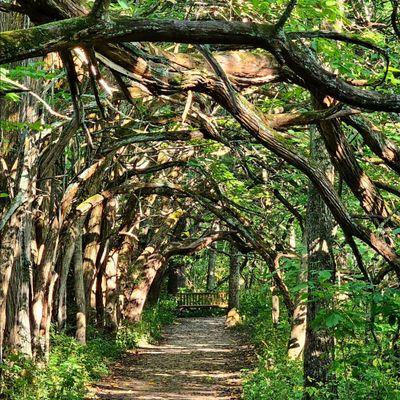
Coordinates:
198 359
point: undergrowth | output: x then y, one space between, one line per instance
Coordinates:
72 366
203 312
361 370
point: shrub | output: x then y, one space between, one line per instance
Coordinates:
72 366
361 371
149 328
274 377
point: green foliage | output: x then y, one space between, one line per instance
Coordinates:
274 377
362 369
34 70
363 321
19 377
149 328
71 366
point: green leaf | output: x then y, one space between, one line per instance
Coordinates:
333 320
331 3
324 275
300 287
123 4
377 362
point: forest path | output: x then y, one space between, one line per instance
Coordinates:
197 359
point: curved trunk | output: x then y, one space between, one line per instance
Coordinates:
135 302
155 289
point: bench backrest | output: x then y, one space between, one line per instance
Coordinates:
203 299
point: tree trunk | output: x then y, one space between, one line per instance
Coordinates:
108 223
319 345
298 330
212 259
155 289
80 293
176 278
275 311
112 306
234 279
43 277
18 319
48 315
100 289
16 237
147 265
71 238
9 249
92 239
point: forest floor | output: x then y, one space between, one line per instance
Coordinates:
197 359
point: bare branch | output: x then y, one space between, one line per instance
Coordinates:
204 50
23 88
66 34
304 64
290 208
199 244
387 188
359 259
340 37
384 148
286 15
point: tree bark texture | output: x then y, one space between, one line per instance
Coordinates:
234 279
319 344
80 297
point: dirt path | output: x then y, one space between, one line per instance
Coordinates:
198 359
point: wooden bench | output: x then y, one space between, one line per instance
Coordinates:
191 300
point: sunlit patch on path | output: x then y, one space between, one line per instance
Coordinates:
198 359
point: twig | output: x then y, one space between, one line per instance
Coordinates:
340 37
290 208
286 15
94 74
73 83
36 96
205 51
354 248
